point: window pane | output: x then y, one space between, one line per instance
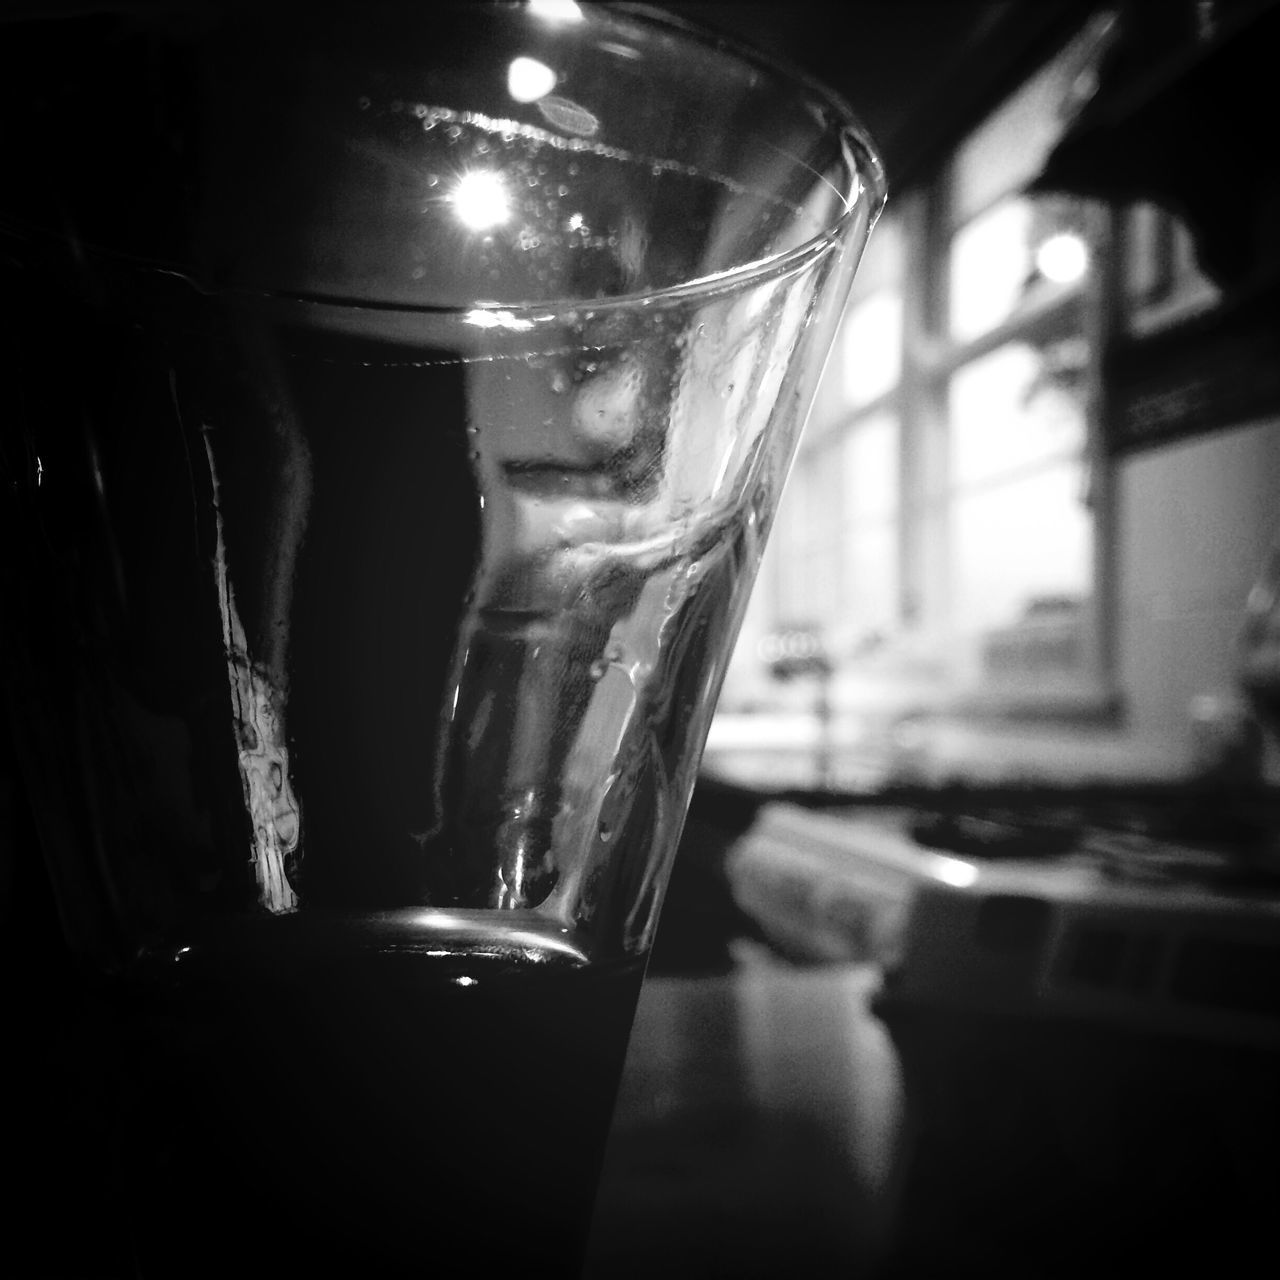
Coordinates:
871 581
808 535
825 598
870 466
1022 252
1019 545
1015 408
813 500
871 347
990 265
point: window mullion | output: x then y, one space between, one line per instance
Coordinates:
922 530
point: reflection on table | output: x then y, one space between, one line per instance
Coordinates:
756 1129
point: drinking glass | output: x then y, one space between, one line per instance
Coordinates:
397 403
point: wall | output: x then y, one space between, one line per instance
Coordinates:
1194 522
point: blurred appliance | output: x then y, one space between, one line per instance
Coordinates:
1025 918
1086 1018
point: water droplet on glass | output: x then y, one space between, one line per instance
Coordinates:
598 669
364 102
606 833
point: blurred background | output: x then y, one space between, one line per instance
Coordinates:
970 964
1039 481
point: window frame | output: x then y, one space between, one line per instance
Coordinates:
929 358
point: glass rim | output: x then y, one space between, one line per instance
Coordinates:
860 157
862 194
528 317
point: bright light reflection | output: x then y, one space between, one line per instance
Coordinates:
954 872
480 200
528 79
1062 258
497 320
555 10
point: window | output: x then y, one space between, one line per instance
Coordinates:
944 525
870 587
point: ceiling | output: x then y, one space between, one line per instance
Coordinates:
919 73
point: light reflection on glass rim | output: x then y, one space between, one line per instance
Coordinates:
480 200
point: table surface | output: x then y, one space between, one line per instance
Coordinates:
756 1131
777 1122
